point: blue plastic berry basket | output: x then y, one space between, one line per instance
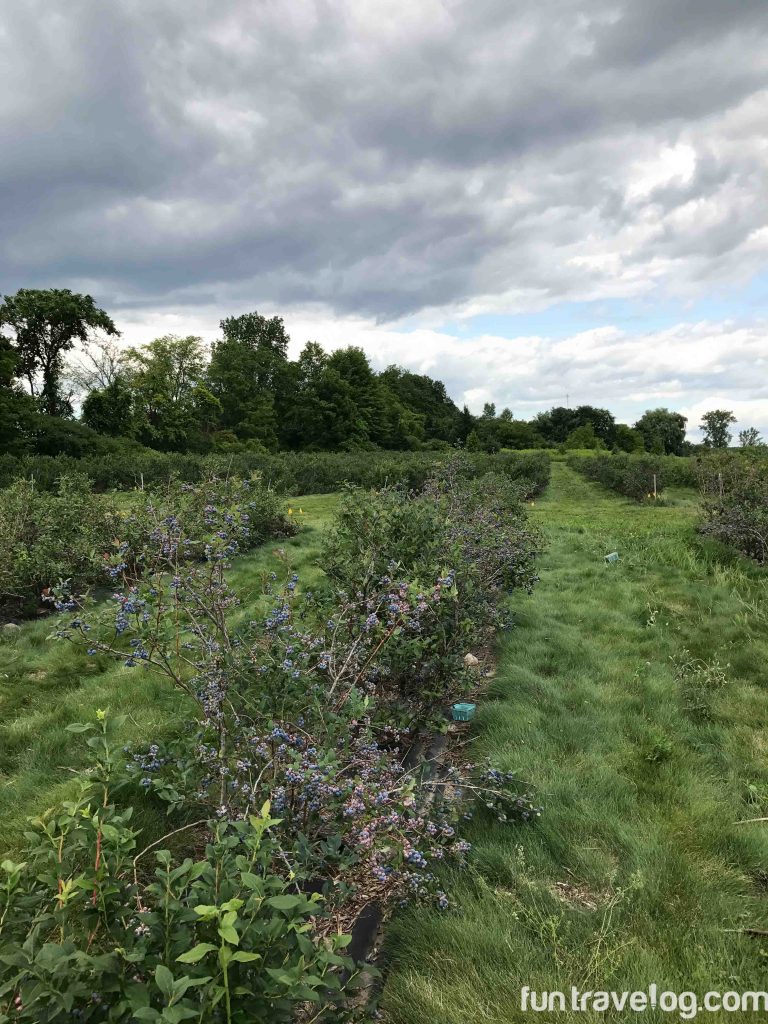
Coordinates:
463 712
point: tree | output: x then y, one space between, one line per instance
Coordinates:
173 406
248 375
750 438
466 425
628 440
428 400
663 431
557 424
45 325
518 434
583 437
715 426
110 410
352 365
99 366
602 422
16 409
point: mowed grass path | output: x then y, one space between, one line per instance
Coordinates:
46 685
643 758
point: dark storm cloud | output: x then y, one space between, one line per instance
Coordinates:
380 158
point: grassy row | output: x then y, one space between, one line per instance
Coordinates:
633 696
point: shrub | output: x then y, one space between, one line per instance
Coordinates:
633 475
128 465
222 930
47 537
734 487
462 543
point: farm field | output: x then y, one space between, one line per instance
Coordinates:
630 697
634 697
44 686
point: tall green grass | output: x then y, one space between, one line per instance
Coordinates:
609 698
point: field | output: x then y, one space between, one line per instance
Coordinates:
629 695
633 696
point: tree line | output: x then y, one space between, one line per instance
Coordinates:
174 394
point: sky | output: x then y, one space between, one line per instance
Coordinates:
537 201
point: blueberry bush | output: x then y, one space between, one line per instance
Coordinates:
287 473
734 488
50 536
71 534
288 771
633 475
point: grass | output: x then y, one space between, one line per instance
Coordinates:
633 697
46 685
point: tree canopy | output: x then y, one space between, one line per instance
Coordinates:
246 392
45 325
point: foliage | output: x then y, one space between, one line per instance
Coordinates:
45 325
734 486
217 937
306 707
47 537
664 431
583 437
714 425
173 407
633 475
638 838
111 410
117 464
629 440
750 438
50 536
560 422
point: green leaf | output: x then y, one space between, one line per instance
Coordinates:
229 935
176 1014
146 1013
164 980
194 956
228 919
245 958
284 902
78 727
206 911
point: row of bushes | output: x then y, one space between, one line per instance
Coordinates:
288 769
734 488
289 473
68 533
633 475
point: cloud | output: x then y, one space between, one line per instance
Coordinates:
382 159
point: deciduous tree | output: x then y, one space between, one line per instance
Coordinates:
45 325
715 426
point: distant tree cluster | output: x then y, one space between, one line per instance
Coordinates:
245 393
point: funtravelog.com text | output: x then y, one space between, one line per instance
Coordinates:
687 1005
